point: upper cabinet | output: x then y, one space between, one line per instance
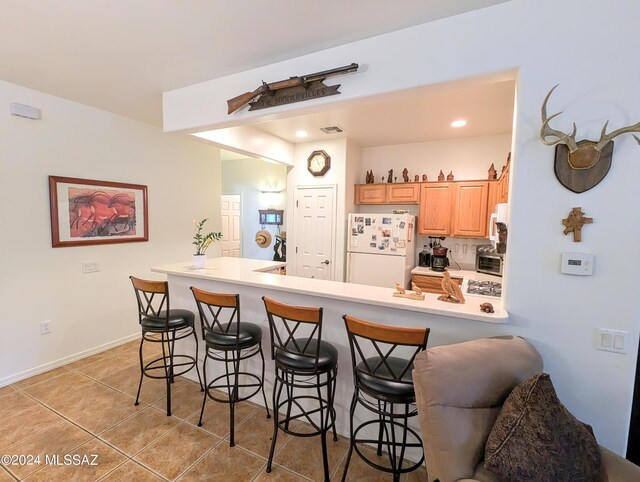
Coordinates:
435 208
403 193
371 194
454 209
470 209
391 193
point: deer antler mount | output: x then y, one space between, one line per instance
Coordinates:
580 165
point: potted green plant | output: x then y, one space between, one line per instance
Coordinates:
202 243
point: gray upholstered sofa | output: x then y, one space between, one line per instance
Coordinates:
460 389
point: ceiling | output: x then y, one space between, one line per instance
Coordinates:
120 56
410 116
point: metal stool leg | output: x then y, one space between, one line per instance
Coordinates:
167 371
352 411
206 389
323 427
264 396
195 335
141 372
277 391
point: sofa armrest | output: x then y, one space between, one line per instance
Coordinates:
616 468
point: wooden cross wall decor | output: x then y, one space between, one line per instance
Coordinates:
574 222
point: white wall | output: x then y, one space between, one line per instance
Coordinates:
248 177
558 313
468 158
38 282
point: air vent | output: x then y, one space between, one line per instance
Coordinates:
332 129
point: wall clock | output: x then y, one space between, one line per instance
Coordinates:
318 163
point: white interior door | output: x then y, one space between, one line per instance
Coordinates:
231 210
315 232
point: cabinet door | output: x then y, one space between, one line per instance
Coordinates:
470 209
371 194
403 193
435 208
493 198
431 284
503 196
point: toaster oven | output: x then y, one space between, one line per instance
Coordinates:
489 262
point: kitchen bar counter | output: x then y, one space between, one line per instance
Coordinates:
251 279
255 273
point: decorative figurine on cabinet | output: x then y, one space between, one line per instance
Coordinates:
369 179
441 176
390 177
416 178
405 175
493 174
450 176
424 178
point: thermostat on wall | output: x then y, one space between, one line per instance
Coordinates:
577 263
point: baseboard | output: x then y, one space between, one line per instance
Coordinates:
68 359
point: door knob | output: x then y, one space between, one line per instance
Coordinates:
326 261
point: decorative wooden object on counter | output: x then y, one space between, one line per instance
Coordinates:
405 175
450 176
431 284
441 176
486 308
492 173
402 293
390 176
580 165
452 290
574 222
416 288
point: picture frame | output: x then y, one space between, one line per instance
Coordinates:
89 212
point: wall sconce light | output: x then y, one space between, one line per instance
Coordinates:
271 188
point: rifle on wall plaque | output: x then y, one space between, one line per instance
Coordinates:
294 89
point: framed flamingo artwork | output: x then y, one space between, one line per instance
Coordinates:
85 212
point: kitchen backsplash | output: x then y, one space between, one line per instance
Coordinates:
462 250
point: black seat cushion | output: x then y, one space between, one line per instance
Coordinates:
327 359
381 385
178 319
250 335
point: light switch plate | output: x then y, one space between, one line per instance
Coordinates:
615 341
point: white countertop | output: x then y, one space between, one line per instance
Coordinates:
251 272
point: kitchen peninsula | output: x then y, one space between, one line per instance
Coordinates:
252 279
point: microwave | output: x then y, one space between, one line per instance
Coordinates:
489 262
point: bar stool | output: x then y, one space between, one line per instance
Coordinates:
382 382
231 341
302 361
156 318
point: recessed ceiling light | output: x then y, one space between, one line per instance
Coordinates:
459 123
301 134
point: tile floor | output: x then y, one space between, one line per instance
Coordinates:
87 408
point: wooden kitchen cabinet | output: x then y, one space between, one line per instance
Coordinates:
371 194
503 183
390 193
493 197
403 193
470 209
431 284
434 216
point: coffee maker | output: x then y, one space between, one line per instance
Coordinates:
439 260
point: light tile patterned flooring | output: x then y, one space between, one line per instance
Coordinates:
87 408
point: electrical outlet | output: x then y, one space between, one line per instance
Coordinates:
90 267
615 341
45 327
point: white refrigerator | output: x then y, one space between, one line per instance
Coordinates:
381 249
